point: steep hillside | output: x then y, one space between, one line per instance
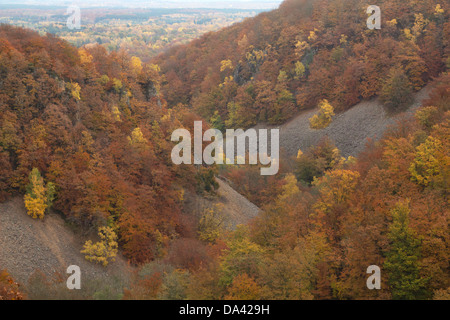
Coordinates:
322 227
92 126
85 144
29 247
267 69
349 130
233 208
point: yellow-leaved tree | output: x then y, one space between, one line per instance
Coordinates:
430 162
39 197
324 117
226 64
75 90
137 139
116 114
299 70
136 65
103 251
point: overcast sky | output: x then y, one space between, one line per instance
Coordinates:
248 4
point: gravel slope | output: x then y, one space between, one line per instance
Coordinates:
232 206
349 130
236 206
49 245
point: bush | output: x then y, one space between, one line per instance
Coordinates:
396 93
9 289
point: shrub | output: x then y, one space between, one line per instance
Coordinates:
396 93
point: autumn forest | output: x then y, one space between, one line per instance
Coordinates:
85 137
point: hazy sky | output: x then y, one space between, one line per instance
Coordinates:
260 4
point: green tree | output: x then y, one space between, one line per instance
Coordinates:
216 121
174 285
211 224
206 181
396 93
402 262
317 160
242 256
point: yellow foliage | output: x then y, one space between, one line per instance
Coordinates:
154 67
137 138
427 163
38 134
103 80
117 85
392 23
36 201
136 65
438 10
116 113
301 47
243 288
85 57
282 77
336 187
408 34
103 251
419 24
35 206
227 81
75 90
226 64
289 189
425 115
299 70
256 56
312 36
324 117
